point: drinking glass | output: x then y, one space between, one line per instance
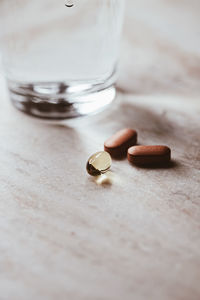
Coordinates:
60 57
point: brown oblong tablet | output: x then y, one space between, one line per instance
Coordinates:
149 155
118 144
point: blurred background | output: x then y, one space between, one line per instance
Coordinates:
161 47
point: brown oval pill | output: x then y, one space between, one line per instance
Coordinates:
118 144
149 155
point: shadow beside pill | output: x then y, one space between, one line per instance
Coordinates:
172 164
107 179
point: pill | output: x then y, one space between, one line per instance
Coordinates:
149 155
118 144
99 163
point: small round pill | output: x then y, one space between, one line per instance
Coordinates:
118 144
149 155
99 163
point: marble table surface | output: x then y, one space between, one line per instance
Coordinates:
134 234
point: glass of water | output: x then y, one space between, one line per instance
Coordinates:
60 57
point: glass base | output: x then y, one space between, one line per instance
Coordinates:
59 100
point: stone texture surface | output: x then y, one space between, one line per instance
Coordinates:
136 233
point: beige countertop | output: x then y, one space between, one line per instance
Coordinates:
132 235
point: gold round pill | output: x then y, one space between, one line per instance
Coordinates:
99 163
